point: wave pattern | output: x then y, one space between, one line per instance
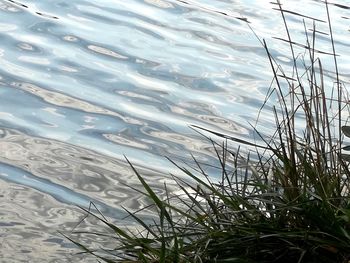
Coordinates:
83 83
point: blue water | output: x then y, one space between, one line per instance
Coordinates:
85 83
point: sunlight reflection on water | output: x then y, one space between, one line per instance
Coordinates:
84 83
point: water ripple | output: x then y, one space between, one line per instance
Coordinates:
84 83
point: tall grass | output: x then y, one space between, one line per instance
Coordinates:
285 200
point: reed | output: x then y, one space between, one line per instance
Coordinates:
285 200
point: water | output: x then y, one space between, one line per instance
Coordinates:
83 83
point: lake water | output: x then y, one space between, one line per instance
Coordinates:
83 83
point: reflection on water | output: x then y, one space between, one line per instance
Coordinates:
70 174
83 83
42 183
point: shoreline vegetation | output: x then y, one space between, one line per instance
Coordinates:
284 200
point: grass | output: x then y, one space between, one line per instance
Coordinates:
284 200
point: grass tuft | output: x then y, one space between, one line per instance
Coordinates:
286 200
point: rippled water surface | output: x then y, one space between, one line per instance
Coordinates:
83 83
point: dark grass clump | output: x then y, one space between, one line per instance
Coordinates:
285 200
